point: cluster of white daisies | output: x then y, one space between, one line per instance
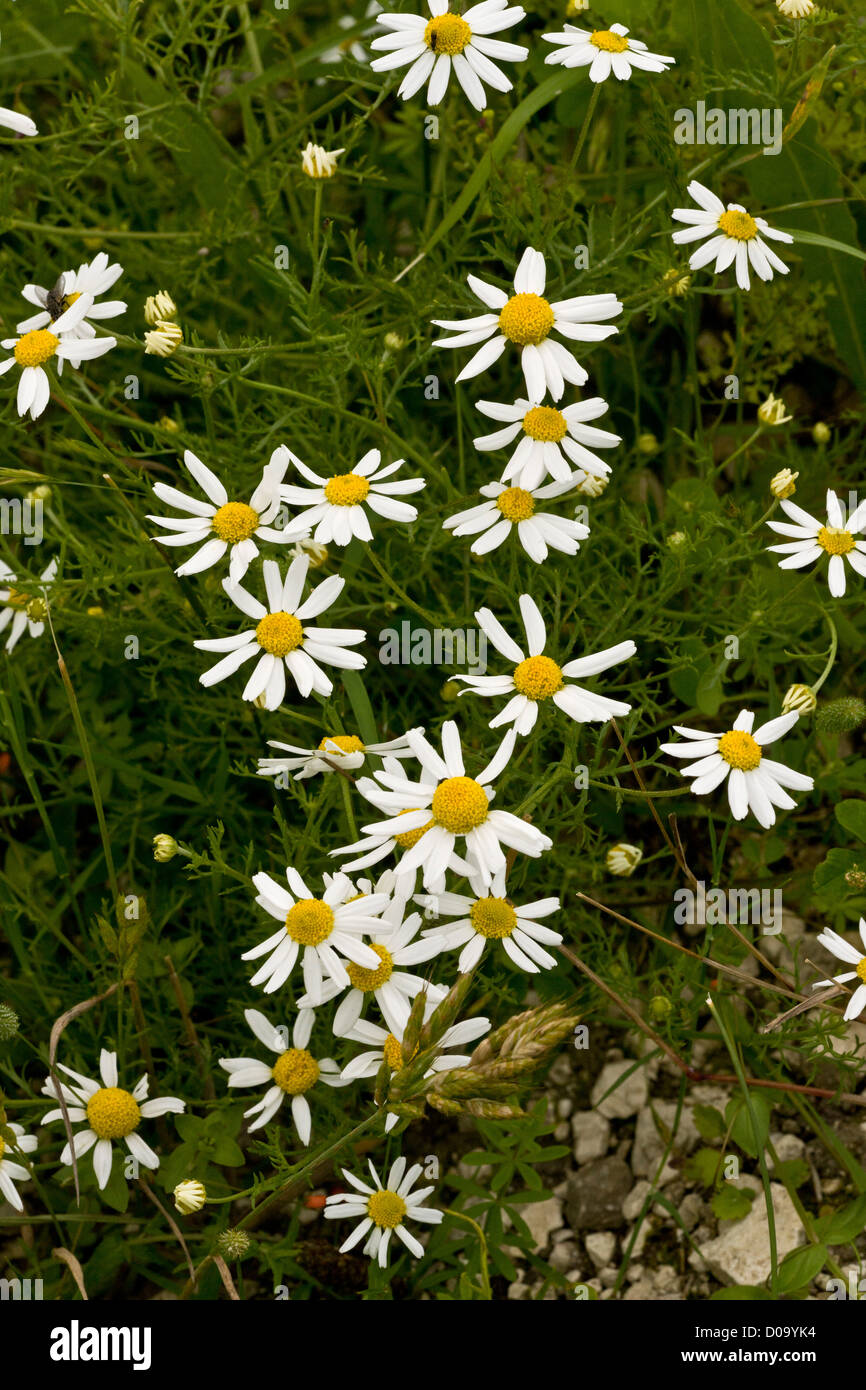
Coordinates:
356 943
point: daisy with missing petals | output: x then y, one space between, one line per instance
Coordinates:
736 238
537 677
335 506
839 947
294 1072
33 349
604 51
390 984
110 1113
25 612
491 916
511 507
383 1046
447 806
552 441
92 278
323 930
281 640
218 525
434 46
14 120
12 1171
755 783
383 1210
527 319
335 753
811 539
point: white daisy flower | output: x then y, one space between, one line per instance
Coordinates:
604 51
383 1210
14 120
92 278
552 441
447 805
31 350
839 947
25 612
537 677
218 525
449 41
281 639
736 238
383 1045
812 539
10 1170
335 506
335 753
390 984
755 783
109 1113
515 507
491 916
294 1072
527 319
323 930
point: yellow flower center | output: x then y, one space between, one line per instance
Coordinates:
68 301
347 743
346 489
835 540
368 980
295 1071
113 1113
309 922
493 917
279 633
459 805
740 750
386 1209
3 1141
447 33
526 318
392 1051
861 969
739 225
608 41
537 677
545 422
234 522
15 599
516 504
32 349
411 837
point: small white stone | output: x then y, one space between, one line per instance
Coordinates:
591 1133
627 1083
600 1246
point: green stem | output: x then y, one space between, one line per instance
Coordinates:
584 129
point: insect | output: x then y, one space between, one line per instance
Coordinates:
55 297
433 38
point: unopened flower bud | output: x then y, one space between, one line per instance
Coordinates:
821 433
676 283
647 444
450 691
163 340
315 552
234 1243
42 493
772 412
165 847
318 163
190 1196
159 306
8 1023
589 484
784 484
800 699
795 9
395 342
622 859
660 1008
676 540
856 878
841 716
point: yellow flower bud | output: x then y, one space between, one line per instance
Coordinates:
165 847
772 412
799 698
318 163
821 433
159 306
623 859
163 340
